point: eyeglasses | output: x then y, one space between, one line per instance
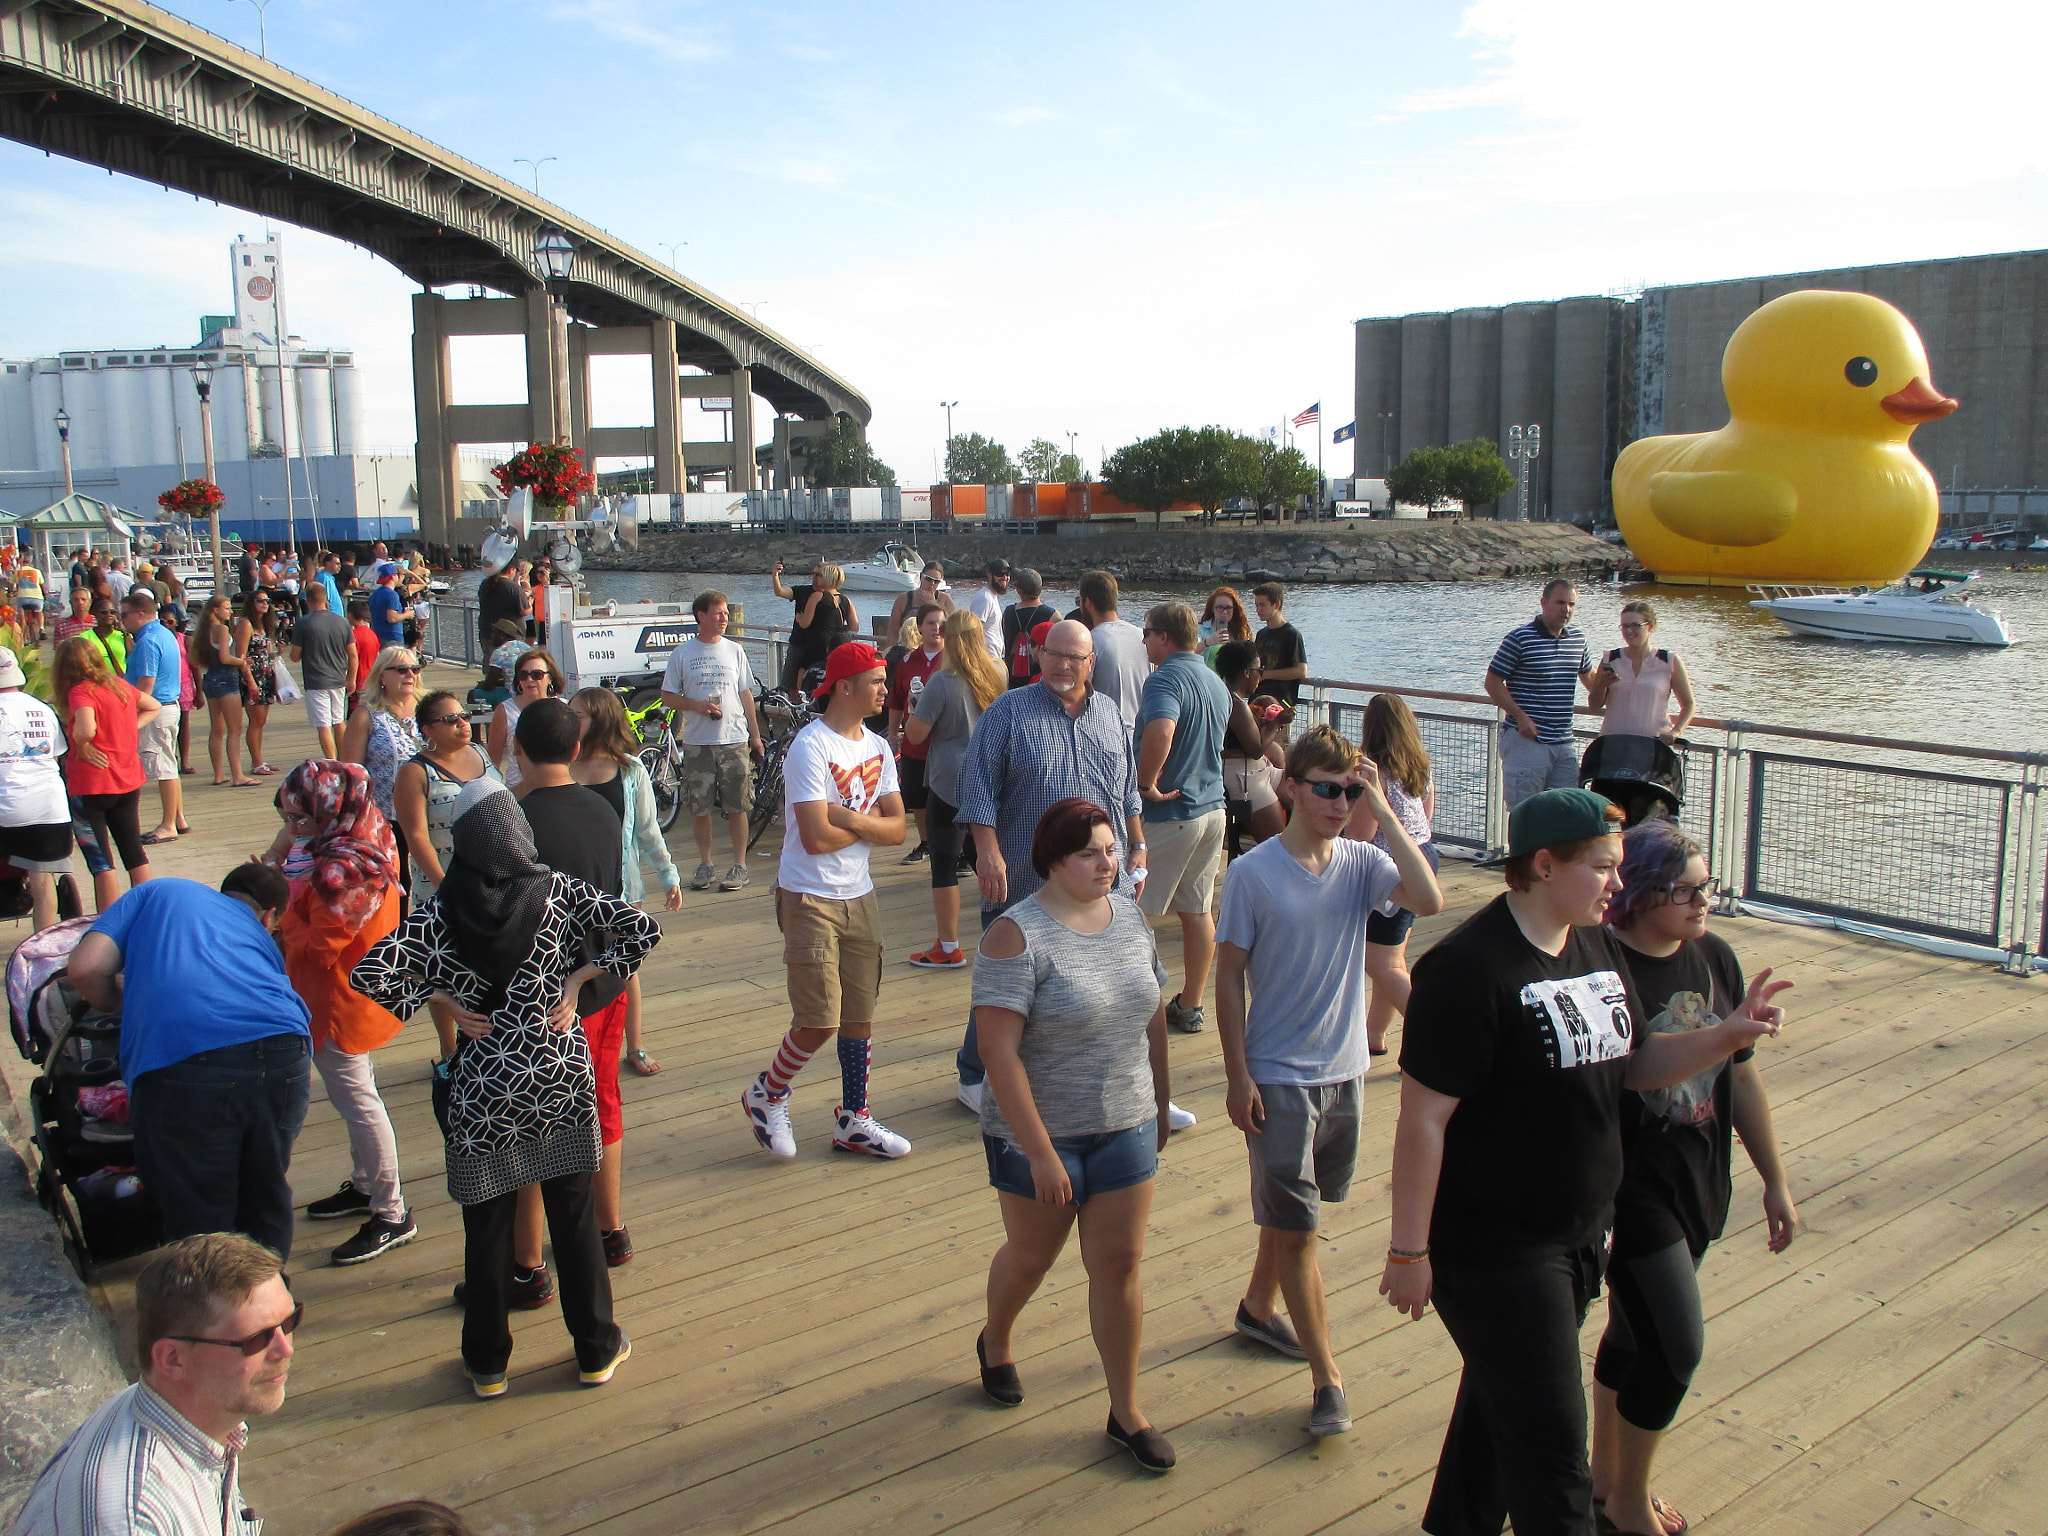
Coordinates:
1053 655
1692 895
408 671
1323 789
527 677
257 1342
448 720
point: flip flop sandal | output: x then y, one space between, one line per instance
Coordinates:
154 839
642 1063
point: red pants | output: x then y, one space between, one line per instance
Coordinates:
605 1033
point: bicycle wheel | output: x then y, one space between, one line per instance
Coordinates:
767 794
668 788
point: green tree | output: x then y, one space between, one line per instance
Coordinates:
1421 479
1475 474
1040 462
1274 476
1144 474
842 457
1070 470
972 459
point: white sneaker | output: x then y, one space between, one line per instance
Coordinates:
862 1132
1177 1119
970 1095
768 1117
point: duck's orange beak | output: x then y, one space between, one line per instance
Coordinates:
1916 403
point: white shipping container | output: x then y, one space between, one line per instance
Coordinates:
715 507
865 503
916 506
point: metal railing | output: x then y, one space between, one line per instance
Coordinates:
1907 837
452 636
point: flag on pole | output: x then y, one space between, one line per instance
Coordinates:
1345 433
1313 413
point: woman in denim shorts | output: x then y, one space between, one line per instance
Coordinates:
1066 1001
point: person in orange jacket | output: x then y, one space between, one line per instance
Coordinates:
343 866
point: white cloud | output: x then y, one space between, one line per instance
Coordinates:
641 24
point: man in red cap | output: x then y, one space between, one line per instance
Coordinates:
840 795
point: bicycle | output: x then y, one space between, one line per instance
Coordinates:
780 717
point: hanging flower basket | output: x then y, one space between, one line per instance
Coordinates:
554 472
193 498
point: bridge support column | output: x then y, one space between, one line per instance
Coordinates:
434 467
547 368
578 338
745 477
669 475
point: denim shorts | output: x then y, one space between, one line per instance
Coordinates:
221 683
1095 1164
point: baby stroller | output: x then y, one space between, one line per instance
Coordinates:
1641 774
85 1144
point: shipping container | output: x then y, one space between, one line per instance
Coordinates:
914 506
866 503
715 507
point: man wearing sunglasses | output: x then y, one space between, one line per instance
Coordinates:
1294 912
213 1325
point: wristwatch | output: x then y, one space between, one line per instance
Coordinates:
1137 847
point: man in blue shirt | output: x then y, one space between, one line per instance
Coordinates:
1535 676
387 608
215 1047
1183 711
154 668
330 568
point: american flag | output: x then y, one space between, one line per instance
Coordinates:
1313 413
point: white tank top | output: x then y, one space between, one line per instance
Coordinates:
1639 703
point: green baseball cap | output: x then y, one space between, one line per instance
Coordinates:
1556 816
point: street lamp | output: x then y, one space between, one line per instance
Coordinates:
1525 444
947 407
64 443
1073 452
262 26
202 380
556 253
532 165
671 246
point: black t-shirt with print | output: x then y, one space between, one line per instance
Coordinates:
1677 1142
1534 1048
576 833
1280 645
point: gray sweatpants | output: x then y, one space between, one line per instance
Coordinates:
351 1083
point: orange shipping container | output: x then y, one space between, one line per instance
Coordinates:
969 501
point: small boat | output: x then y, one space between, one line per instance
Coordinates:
894 568
1921 609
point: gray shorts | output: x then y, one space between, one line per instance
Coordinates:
1305 1153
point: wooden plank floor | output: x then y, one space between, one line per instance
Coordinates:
803 1333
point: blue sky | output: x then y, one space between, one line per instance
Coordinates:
1104 218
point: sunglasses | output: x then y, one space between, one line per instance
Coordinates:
527 677
258 1341
1323 789
408 671
448 720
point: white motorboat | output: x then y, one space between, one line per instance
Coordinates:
1922 609
894 568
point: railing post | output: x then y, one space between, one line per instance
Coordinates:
2022 940
1731 803
1319 704
1496 788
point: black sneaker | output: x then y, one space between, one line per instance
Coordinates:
1275 1332
618 1247
1187 1021
345 1201
1149 1448
376 1236
918 854
532 1289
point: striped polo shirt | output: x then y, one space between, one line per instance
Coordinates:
139 1465
1542 672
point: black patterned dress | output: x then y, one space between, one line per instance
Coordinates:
522 1102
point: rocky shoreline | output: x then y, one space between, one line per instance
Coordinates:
1438 550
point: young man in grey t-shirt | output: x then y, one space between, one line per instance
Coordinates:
1294 912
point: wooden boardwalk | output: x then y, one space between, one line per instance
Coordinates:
803 1333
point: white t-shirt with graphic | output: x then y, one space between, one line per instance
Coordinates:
31 783
710 669
825 766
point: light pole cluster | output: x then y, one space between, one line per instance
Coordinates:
202 379
1525 445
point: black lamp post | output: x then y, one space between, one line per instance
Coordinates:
64 444
556 254
202 380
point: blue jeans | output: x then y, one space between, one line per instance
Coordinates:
214 1134
968 1057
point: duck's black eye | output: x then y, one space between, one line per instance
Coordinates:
1861 372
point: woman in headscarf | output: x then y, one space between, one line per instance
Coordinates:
498 945
344 899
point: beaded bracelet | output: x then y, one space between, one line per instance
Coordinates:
1401 1256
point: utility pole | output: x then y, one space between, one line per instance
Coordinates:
947 407
1073 452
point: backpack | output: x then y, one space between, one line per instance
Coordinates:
1018 631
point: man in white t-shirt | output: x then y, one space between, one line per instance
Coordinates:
986 604
1121 664
706 686
840 796
35 816
1294 915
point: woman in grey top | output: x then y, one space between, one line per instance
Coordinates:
1066 998
953 698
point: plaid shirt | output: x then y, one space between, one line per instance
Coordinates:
139 1465
1027 753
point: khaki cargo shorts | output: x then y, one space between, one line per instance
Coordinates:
718 778
833 952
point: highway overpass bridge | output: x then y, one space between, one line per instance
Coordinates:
132 88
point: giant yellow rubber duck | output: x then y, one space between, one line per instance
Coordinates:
1811 480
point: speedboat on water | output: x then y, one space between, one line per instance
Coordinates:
1922 609
894 568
